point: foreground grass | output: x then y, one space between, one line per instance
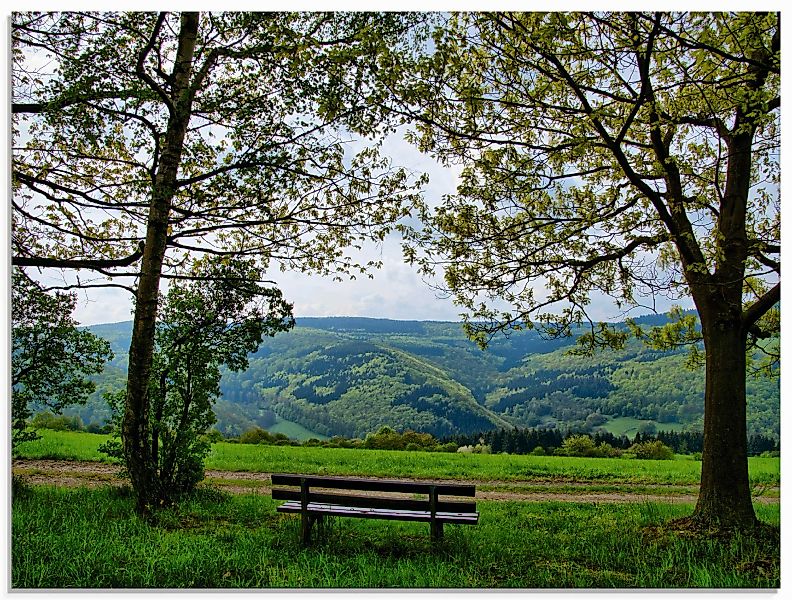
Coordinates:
79 538
385 463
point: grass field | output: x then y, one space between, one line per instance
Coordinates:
629 426
65 445
80 538
294 430
384 463
91 538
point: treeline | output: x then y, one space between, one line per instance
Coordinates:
510 441
527 440
386 438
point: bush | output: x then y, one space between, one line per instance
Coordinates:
577 445
538 451
47 420
655 450
583 445
214 436
477 449
95 427
647 428
387 438
257 435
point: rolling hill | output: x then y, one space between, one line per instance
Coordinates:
350 375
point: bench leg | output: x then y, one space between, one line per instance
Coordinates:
436 528
306 522
305 528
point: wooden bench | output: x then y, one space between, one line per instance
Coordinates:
315 497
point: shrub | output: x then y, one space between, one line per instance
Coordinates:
214 436
94 427
605 450
387 438
47 420
655 450
477 449
583 445
257 435
538 451
577 445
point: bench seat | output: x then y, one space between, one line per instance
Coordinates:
339 510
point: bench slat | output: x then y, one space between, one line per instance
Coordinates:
374 485
374 501
374 513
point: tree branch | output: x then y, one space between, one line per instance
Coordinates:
78 263
756 310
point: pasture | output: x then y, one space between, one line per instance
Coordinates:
78 537
683 470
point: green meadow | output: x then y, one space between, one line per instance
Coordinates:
80 538
683 470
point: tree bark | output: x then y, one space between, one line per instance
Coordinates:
725 495
136 425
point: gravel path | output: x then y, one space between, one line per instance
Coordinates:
93 474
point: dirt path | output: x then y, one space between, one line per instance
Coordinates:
93 474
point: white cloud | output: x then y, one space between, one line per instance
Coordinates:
396 291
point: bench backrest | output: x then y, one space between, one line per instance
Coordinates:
307 492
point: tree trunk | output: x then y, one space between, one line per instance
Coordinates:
725 495
135 429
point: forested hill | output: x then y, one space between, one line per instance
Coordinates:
350 375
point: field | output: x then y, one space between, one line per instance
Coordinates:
67 537
629 426
387 463
294 430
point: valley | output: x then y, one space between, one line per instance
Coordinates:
337 376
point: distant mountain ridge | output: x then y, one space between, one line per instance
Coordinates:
350 375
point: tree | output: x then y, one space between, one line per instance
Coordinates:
202 327
50 357
149 137
629 155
